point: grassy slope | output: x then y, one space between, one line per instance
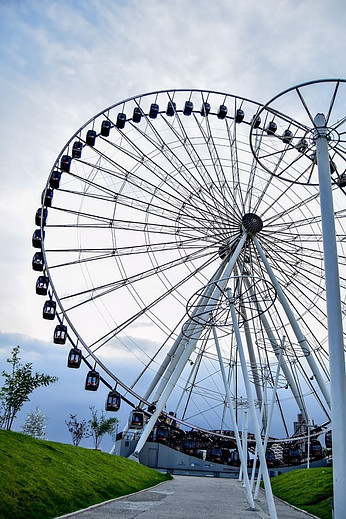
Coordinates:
42 480
308 489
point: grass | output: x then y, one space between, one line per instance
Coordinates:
43 480
307 489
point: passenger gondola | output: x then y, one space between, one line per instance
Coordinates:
137 115
271 128
302 145
256 121
154 110
37 239
38 262
42 285
328 439
205 109
90 138
49 310
105 128
113 401
121 120
136 419
341 181
239 116
54 180
41 216
47 197
287 136
188 107
92 380
171 107
60 334
65 163
74 358
222 112
77 149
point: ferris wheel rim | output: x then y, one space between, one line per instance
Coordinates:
309 129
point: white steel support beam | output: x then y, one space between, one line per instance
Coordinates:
252 409
243 459
334 318
285 368
189 347
294 324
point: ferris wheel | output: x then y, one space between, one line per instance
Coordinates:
163 244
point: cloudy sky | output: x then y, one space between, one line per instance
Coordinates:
64 61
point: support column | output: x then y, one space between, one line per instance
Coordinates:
334 319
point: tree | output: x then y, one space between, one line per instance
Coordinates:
19 384
101 426
78 430
35 424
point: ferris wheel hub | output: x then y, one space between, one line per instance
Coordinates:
252 223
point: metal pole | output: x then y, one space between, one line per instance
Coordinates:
233 418
270 417
334 319
257 432
308 455
295 326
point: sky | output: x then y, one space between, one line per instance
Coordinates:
64 61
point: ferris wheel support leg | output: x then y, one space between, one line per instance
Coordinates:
277 351
295 326
189 347
271 410
233 419
165 395
334 318
169 363
255 424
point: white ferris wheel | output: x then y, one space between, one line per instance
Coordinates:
182 273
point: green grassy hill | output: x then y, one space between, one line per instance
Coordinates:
42 479
307 489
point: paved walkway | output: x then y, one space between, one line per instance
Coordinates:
189 497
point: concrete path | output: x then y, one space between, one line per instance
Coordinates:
189 497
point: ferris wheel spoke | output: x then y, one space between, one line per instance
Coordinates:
99 291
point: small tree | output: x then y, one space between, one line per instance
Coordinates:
19 384
35 424
101 426
78 430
